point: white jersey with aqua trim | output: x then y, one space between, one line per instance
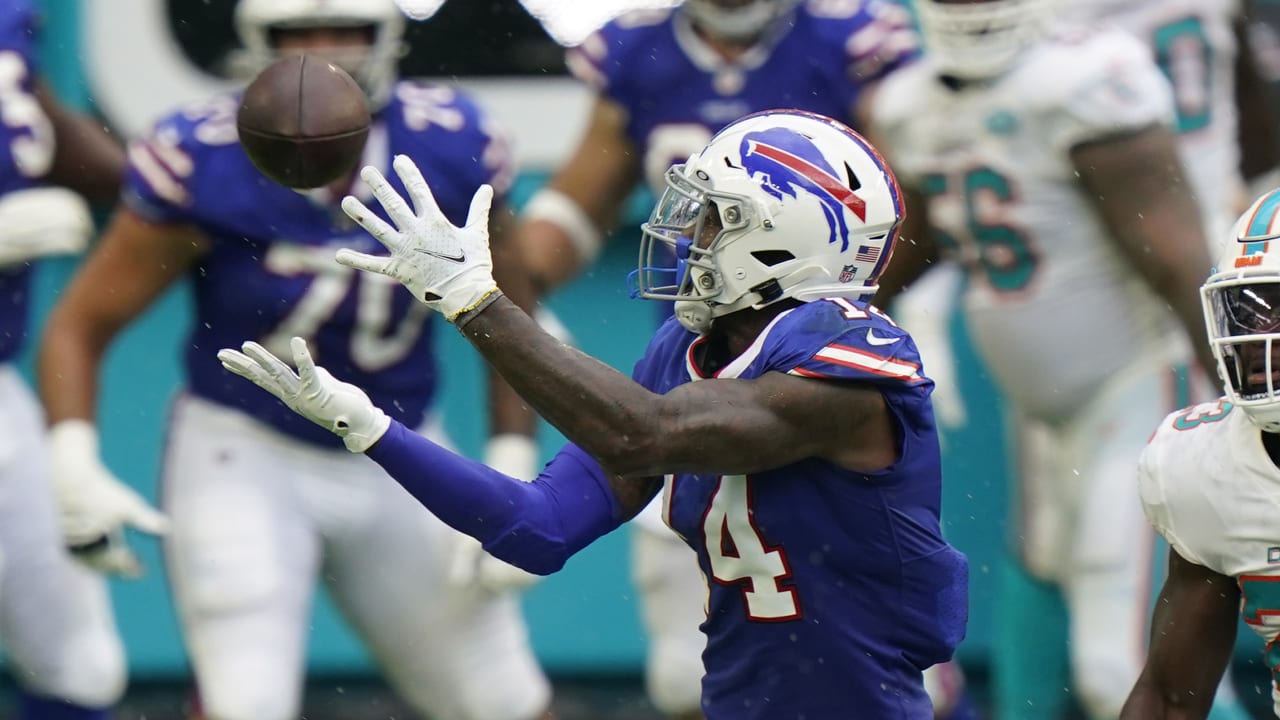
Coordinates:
1052 306
1209 487
1194 44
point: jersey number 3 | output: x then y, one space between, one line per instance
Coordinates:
739 555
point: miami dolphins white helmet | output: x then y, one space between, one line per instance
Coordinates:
780 204
736 20
1242 312
979 40
374 67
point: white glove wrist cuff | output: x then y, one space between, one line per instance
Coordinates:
372 430
74 437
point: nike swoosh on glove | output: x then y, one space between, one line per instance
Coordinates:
312 392
447 267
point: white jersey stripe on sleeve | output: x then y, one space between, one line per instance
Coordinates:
143 158
863 360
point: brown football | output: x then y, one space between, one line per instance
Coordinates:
303 122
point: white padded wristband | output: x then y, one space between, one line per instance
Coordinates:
73 438
560 210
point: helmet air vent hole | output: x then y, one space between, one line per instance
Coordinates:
854 183
769 258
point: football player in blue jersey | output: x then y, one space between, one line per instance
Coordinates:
262 502
62 648
663 82
785 422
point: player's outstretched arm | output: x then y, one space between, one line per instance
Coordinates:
1193 630
534 525
721 425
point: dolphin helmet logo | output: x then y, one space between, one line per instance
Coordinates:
788 163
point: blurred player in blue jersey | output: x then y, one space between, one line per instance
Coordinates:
785 422
262 502
56 623
664 82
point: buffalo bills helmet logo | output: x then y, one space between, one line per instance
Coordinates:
787 163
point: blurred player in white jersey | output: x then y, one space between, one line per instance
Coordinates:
55 614
262 506
1209 481
665 81
1046 165
1203 49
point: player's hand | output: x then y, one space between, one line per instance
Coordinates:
516 456
447 267
93 506
42 221
311 392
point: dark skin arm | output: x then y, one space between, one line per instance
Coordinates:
508 413
717 425
133 263
598 177
87 157
1193 631
1137 185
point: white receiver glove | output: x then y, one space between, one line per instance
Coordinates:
446 267
311 392
515 455
42 221
93 506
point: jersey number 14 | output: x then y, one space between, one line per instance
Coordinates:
739 555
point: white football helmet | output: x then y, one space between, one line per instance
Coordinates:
979 40
736 21
780 204
1241 302
374 67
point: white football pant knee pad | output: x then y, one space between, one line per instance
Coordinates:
91 672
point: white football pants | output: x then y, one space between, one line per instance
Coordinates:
257 517
56 621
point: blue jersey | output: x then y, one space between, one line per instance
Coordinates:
270 272
829 590
26 152
677 91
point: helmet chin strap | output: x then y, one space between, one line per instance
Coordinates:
694 315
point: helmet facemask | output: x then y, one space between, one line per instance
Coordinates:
741 23
1243 317
690 222
977 41
371 64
